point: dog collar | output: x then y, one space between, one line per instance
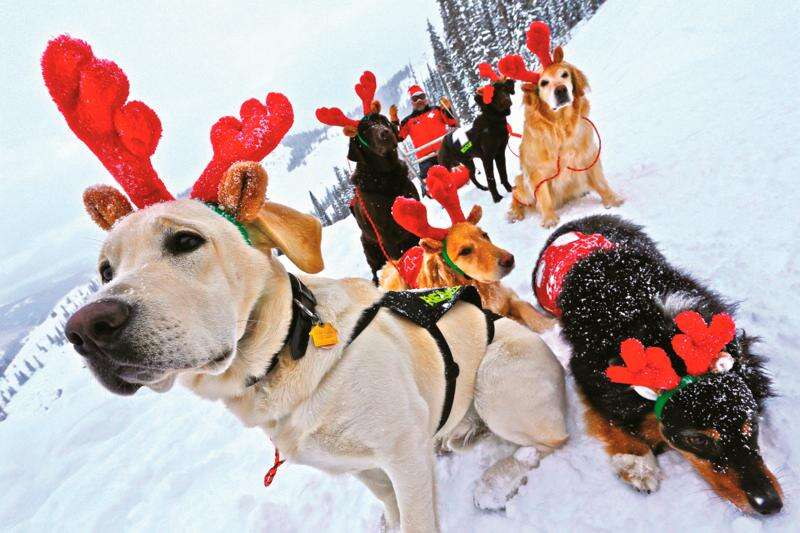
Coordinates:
362 140
449 262
230 218
664 397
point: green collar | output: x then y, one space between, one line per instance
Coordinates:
449 262
663 398
361 140
217 209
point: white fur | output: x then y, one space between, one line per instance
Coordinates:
640 471
370 409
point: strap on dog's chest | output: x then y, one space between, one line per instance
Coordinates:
425 309
304 317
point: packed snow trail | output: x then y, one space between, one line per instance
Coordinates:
697 104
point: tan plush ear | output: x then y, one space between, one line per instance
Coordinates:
350 131
296 234
242 190
375 107
106 205
432 246
475 215
558 55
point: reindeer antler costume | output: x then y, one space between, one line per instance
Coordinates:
92 95
649 371
537 39
365 89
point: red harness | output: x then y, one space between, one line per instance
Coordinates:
557 260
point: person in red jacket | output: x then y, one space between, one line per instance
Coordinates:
423 125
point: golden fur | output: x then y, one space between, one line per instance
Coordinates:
557 135
484 266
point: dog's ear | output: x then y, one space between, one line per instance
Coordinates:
475 214
432 246
558 55
296 234
579 82
105 205
479 96
354 152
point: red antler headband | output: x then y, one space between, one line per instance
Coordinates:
91 94
365 89
443 187
537 38
699 345
487 91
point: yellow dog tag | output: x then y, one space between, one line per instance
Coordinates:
324 335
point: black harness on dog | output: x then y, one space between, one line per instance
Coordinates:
425 309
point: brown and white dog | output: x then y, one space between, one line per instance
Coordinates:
193 293
558 154
461 255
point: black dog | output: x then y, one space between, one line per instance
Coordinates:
631 291
487 139
380 177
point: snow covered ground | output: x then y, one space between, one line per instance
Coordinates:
698 110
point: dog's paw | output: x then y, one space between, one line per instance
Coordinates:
613 200
639 471
513 216
501 481
549 221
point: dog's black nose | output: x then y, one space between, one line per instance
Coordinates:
561 92
766 502
97 324
507 262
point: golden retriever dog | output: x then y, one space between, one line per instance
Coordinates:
559 157
471 258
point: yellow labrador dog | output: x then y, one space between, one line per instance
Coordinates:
187 299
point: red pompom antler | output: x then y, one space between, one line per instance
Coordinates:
513 66
365 89
443 187
700 344
649 367
487 91
538 40
250 138
91 94
333 116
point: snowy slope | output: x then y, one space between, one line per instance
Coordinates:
698 110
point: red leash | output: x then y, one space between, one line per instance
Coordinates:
558 163
361 203
270 475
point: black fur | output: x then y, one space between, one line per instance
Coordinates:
489 136
613 295
380 176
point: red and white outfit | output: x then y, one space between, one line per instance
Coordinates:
425 125
557 260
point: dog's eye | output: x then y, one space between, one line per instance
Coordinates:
106 272
543 83
698 442
184 242
565 75
465 251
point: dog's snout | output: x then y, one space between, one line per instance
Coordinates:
561 91
97 324
507 261
767 502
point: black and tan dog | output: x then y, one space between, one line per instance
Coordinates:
487 137
380 177
617 294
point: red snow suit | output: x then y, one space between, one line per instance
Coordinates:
425 126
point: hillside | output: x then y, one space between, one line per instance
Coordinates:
705 152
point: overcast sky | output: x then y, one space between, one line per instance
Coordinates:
191 64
